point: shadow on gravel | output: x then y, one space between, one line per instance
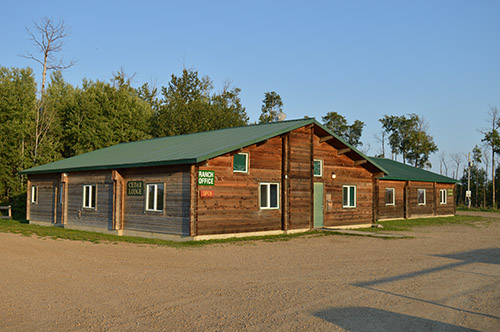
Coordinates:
356 319
485 256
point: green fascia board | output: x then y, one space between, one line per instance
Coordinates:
181 149
401 172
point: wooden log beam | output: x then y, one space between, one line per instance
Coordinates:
325 138
342 151
360 162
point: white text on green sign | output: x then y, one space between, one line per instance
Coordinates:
206 178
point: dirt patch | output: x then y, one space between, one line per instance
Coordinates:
445 278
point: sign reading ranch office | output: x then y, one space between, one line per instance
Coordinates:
135 188
206 178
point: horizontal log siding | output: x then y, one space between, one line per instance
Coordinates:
175 216
43 210
300 195
347 174
235 205
449 207
102 215
416 210
391 211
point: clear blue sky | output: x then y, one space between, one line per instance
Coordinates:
362 59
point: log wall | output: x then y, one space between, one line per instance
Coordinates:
174 219
396 211
102 215
346 174
234 208
43 209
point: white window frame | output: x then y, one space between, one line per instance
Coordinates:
247 162
393 196
155 200
91 189
268 203
34 194
425 196
443 200
320 167
349 196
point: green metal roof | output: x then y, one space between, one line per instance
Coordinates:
182 149
400 171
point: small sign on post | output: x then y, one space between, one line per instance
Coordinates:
468 194
206 178
135 188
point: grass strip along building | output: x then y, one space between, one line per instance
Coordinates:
271 178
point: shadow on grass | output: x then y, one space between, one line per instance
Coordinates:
357 319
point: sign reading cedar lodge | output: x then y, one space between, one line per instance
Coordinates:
206 178
135 188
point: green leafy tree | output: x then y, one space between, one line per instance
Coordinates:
17 114
339 125
272 105
189 106
105 114
409 137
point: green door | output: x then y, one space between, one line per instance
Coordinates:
318 204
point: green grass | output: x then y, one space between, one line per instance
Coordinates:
25 229
408 224
17 227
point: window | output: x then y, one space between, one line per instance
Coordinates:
389 196
318 167
89 196
348 196
34 194
154 197
421 196
269 195
240 163
442 196
61 193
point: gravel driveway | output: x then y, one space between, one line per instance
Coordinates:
444 279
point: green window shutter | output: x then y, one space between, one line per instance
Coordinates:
345 195
317 168
352 196
240 162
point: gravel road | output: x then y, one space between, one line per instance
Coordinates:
444 279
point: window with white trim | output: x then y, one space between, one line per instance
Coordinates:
442 196
390 198
240 163
154 197
318 167
61 193
34 194
421 196
348 196
89 196
269 195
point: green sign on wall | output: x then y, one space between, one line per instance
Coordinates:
135 188
206 178
450 191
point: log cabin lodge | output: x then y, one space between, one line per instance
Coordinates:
272 178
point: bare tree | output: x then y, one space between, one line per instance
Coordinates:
457 158
48 38
380 138
442 164
492 139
